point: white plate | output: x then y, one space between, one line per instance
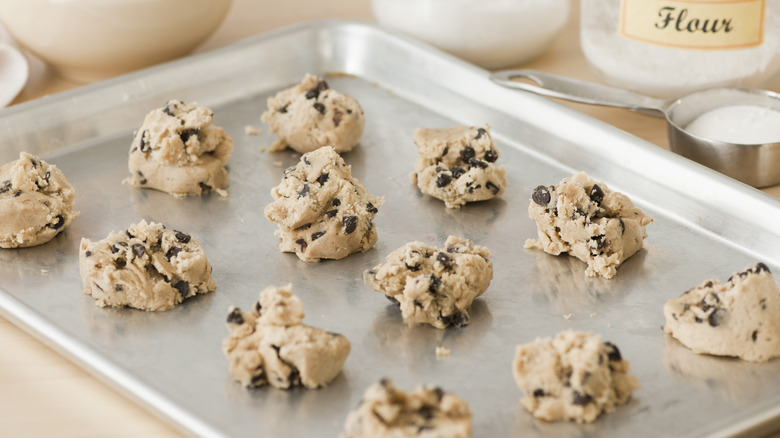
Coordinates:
13 73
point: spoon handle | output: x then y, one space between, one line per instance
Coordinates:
575 90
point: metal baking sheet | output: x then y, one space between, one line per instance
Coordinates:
706 226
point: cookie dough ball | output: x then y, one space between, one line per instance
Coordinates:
270 345
574 376
428 411
589 221
311 115
36 202
179 151
322 211
148 267
457 165
434 286
738 318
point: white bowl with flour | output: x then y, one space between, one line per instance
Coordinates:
490 33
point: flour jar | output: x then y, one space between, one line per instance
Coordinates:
490 33
668 48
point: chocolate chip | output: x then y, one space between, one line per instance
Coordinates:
302 243
435 284
59 221
596 194
337 118
87 253
204 187
718 317
709 301
541 195
762 267
183 287
350 224
235 317
439 393
335 202
371 208
597 242
46 176
580 399
141 176
457 171
480 133
443 180
322 86
138 249
426 412
457 319
304 191
303 227
317 235
129 234
118 288
754 336
445 151
18 193
393 300
763 303
182 237
319 107
173 252
491 156
283 109
331 213
312 94
492 187
169 108
34 163
114 249
539 393
258 307
185 135
6 187
478 163
613 353
467 153
323 178
444 259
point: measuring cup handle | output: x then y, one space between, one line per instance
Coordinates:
575 90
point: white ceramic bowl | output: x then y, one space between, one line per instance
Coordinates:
490 33
88 40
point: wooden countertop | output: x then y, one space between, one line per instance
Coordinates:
43 394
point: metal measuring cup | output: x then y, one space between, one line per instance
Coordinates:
754 164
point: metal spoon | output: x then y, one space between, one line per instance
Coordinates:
754 164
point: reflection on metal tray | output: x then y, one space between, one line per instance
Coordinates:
706 226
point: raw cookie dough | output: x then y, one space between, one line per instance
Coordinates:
427 412
587 220
311 115
574 376
36 202
177 150
148 267
434 286
270 345
738 318
322 211
457 165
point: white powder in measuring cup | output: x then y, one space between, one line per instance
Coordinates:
489 33
742 124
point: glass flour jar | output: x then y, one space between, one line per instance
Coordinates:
668 48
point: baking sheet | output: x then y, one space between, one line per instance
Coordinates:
706 226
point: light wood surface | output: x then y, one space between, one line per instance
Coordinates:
42 394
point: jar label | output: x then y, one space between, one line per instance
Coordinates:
694 24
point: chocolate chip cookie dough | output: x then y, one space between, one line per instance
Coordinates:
434 286
270 344
574 376
457 165
179 151
428 411
147 266
589 221
322 211
311 115
36 202
740 317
